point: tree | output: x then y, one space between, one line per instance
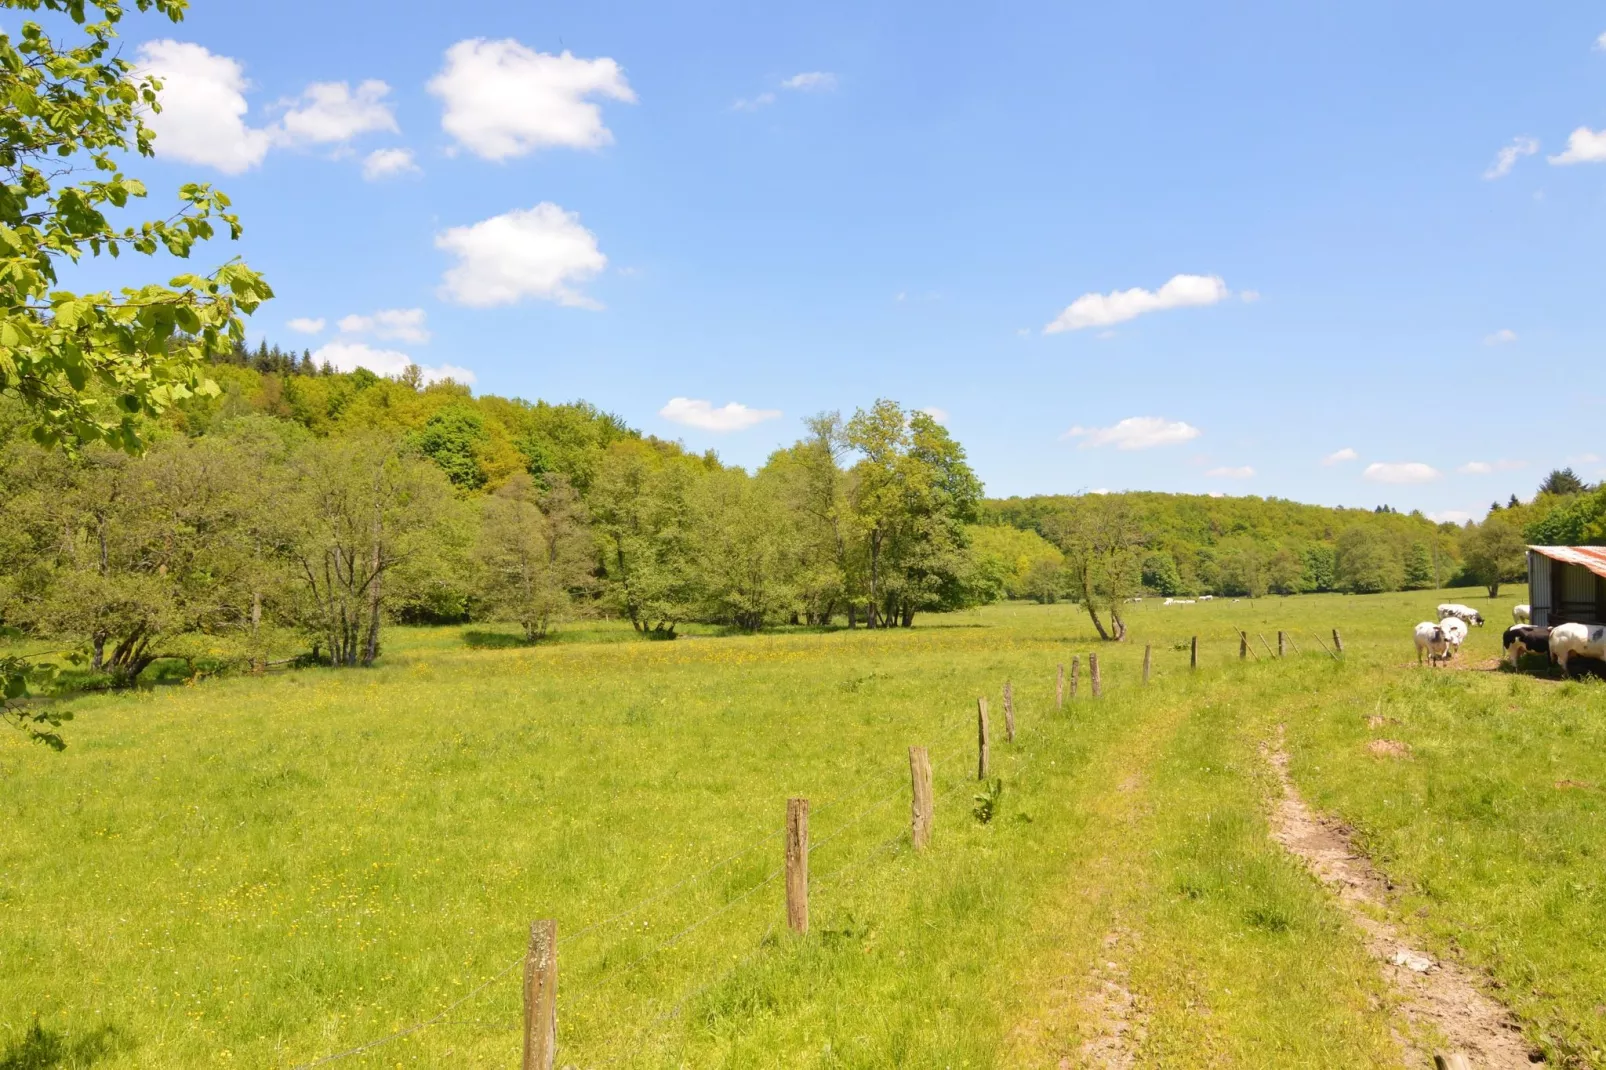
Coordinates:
1321 568
1243 566
1418 572
1562 481
1284 571
1366 562
1103 547
354 512
1579 521
1493 552
535 553
747 554
646 528
88 366
1160 574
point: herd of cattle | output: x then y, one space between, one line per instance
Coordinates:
1439 640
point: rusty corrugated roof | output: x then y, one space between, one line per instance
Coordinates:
1590 557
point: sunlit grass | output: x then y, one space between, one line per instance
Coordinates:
264 871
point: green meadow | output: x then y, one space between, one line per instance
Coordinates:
263 872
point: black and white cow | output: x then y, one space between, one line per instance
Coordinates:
1460 612
1523 639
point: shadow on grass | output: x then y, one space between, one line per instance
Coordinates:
44 1049
495 640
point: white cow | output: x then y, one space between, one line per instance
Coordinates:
1455 630
1430 638
1568 641
1466 613
1522 614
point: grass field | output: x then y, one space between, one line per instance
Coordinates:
264 872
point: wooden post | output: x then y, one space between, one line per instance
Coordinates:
797 865
981 739
1265 644
1009 713
1093 671
921 809
1338 641
1282 643
1076 671
541 996
1243 645
1453 1061
1147 648
1193 653
1059 688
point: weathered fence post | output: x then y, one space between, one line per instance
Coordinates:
1147 649
1059 688
1076 671
1282 643
1093 671
920 810
1453 1061
541 996
982 740
797 865
1338 641
1243 645
1009 713
1193 653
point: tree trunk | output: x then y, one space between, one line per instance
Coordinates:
853 616
97 660
875 564
257 665
1117 625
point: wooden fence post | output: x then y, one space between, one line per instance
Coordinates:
797 865
1193 653
1147 648
541 996
1338 641
1059 688
1243 645
1076 671
1282 643
1009 713
1093 671
920 810
982 740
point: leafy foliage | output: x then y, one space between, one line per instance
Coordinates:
86 365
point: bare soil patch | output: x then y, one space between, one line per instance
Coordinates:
1435 992
1111 1010
1389 748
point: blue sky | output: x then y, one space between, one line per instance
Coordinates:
1161 246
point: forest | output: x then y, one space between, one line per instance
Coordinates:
294 511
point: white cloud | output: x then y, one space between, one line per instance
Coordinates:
940 415
1217 494
202 119
811 82
388 163
1240 472
1450 516
1249 297
1400 472
763 100
330 112
1600 43
397 324
349 356
1483 468
1507 157
1500 337
1099 490
703 416
502 99
1136 433
1102 310
1339 456
306 324
1583 146
536 252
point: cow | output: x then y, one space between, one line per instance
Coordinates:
1522 614
1430 637
1523 639
1568 641
1466 613
1455 632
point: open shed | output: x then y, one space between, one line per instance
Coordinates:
1567 584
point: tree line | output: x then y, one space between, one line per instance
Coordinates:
268 522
